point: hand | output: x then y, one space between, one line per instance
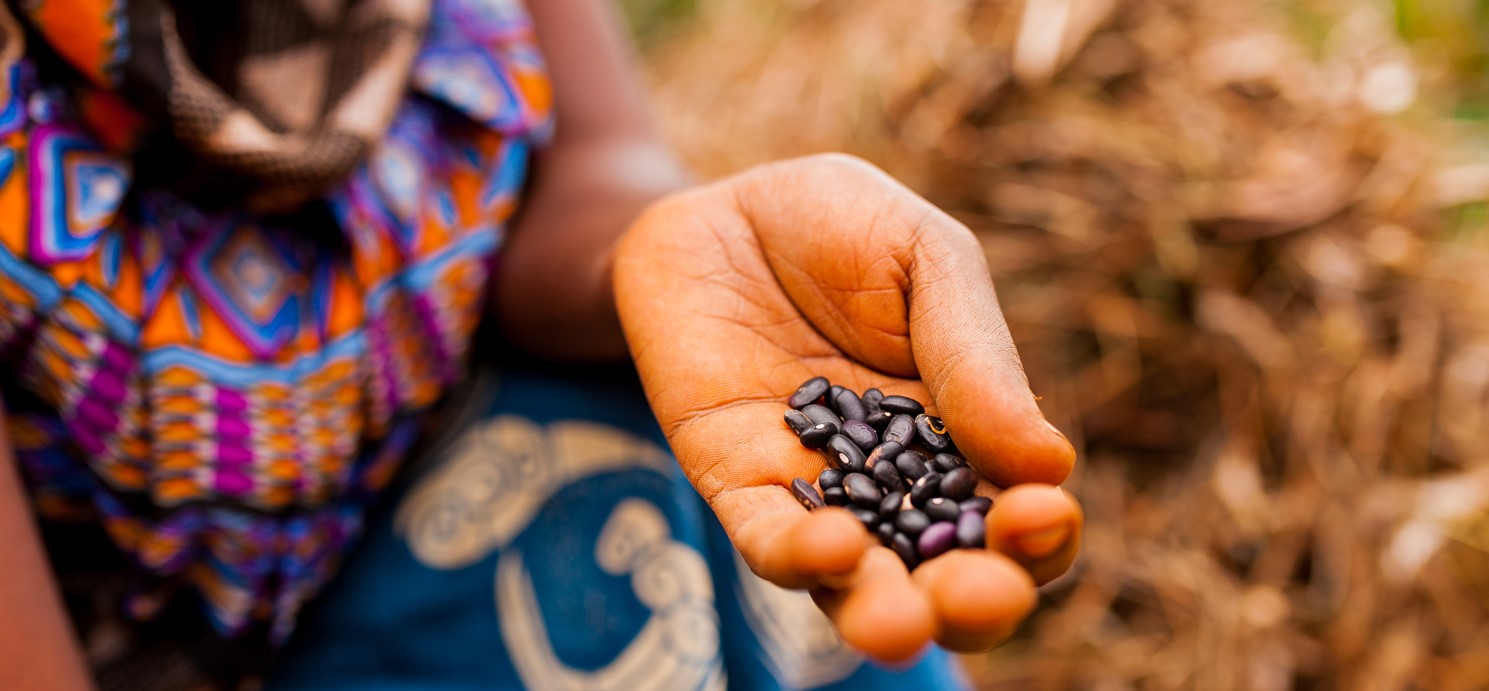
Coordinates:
733 294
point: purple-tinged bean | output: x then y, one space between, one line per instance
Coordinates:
901 405
835 497
902 546
959 484
936 540
980 505
797 421
817 436
843 454
901 430
849 405
821 415
806 494
932 433
971 530
862 490
911 522
810 391
911 464
871 398
879 420
945 462
861 434
889 478
889 507
925 489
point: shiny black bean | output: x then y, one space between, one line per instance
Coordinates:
810 391
889 507
879 419
889 478
869 518
843 454
871 398
817 436
941 509
901 405
903 547
925 489
911 522
958 484
830 478
936 540
886 451
797 420
849 405
806 494
945 462
835 497
886 533
932 433
862 490
861 434
981 505
901 430
971 530
821 415
911 464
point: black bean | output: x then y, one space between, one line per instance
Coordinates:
901 430
932 433
911 464
925 489
869 519
889 478
810 391
971 530
861 434
879 420
889 507
871 398
821 415
886 451
843 454
797 420
912 521
903 547
945 462
901 405
817 436
981 505
941 509
806 494
862 490
849 405
936 540
835 497
958 484
886 533
830 478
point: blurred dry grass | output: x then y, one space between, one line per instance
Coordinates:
1243 281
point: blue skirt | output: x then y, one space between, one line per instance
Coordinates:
546 539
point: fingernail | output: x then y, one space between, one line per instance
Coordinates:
1044 542
1055 429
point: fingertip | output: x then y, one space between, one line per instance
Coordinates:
1004 433
829 541
888 620
1037 525
980 597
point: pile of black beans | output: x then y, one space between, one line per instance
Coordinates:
892 465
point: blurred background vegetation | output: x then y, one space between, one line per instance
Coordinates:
1240 245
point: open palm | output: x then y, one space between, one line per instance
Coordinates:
733 294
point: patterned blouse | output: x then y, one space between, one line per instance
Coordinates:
225 392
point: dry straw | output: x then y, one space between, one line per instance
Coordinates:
1225 264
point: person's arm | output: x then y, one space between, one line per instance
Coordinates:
552 292
37 649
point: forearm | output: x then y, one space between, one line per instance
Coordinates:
37 650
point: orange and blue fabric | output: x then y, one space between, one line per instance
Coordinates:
221 378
